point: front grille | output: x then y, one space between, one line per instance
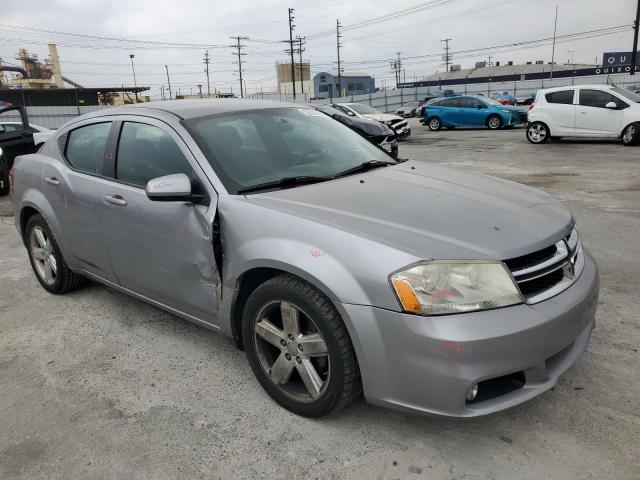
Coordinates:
545 273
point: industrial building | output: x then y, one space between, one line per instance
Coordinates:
482 73
44 85
329 85
301 70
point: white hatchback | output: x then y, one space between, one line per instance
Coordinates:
597 111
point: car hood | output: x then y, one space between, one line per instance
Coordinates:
431 211
382 117
366 125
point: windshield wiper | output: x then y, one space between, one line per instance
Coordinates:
284 182
363 167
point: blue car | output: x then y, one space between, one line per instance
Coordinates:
471 111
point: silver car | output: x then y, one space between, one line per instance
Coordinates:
338 269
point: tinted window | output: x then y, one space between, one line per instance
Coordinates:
11 127
146 152
598 98
449 102
86 147
563 96
467 102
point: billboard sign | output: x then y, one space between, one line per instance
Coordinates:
618 59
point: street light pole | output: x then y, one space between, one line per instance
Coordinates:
135 83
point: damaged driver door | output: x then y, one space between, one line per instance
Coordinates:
161 248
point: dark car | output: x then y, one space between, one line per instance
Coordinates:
14 142
376 132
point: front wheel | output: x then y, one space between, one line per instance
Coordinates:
299 348
494 122
631 135
435 124
538 132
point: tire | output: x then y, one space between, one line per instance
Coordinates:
631 135
494 122
434 124
60 278
538 133
277 350
4 180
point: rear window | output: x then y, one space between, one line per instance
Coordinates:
563 96
86 147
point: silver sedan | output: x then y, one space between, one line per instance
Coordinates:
337 268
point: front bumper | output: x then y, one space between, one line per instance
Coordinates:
427 364
403 132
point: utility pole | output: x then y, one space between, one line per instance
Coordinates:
635 41
166 67
206 62
446 57
553 48
293 67
300 50
338 45
489 64
135 83
239 53
397 65
200 88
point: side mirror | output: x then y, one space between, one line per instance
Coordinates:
611 105
170 188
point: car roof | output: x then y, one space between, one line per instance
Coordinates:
185 109
594 86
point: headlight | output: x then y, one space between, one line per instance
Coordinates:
573 239
447 286
0 151
389 122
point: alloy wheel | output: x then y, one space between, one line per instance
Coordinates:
494 122
629 133
44 259
292 351
537 133
434 124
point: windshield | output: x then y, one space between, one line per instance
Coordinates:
250 148
627 94
363 109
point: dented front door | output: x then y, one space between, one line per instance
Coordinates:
162 250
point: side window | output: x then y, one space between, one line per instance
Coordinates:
563 96
598 98
11 127
86 147
450 102
466 102
146 152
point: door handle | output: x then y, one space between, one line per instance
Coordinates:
115 200
52 181
583 112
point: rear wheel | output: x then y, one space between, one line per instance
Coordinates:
435 124
494 122
538 132
631 135
46 260
298 348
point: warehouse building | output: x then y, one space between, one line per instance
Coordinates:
329 85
